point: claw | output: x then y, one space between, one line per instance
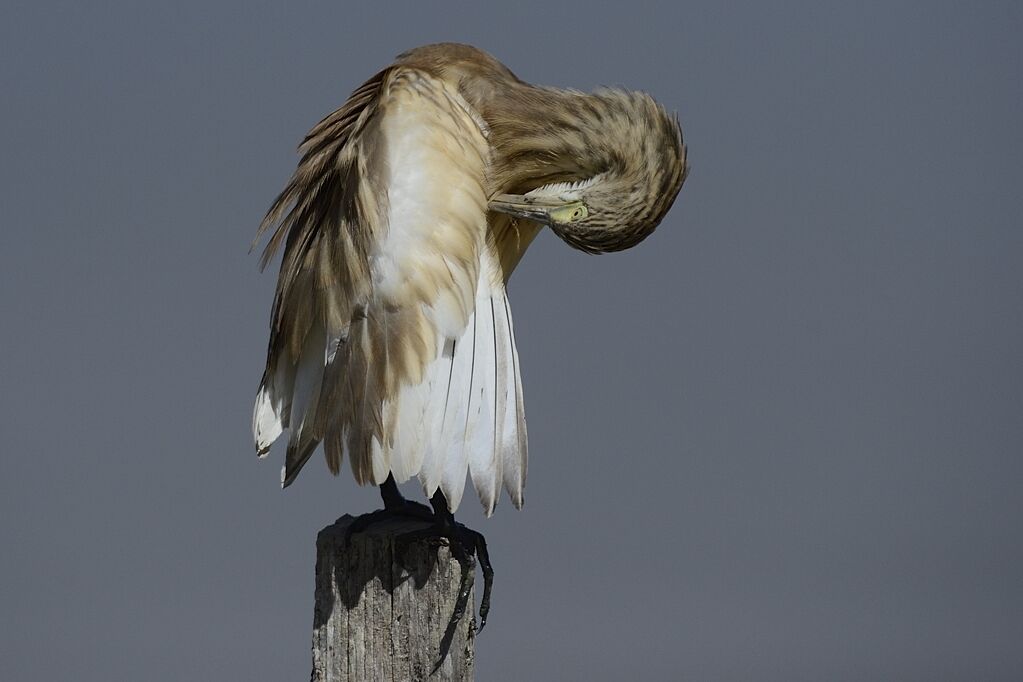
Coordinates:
488 575
464 543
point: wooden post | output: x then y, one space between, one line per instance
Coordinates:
384 612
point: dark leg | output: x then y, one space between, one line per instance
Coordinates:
464 542
394 505
391 495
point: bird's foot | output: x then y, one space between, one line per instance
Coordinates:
395 507
465 545
400 510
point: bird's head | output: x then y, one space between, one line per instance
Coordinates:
640 167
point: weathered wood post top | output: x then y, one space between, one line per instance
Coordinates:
384 606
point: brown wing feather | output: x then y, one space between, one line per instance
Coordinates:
380 303
320 216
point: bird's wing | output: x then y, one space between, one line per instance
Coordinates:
384 223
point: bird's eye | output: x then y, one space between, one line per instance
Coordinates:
569 213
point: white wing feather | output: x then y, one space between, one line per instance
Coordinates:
421 377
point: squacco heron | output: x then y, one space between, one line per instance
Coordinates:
391 339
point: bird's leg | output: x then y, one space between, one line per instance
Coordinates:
395 505
464 544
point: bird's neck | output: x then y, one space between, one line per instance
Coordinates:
541 136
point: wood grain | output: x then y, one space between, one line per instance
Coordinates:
383 607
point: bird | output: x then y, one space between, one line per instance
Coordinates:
391 336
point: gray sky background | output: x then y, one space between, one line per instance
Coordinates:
780 440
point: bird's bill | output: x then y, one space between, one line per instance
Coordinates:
523 206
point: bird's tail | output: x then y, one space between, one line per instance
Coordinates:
476 410
465 416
